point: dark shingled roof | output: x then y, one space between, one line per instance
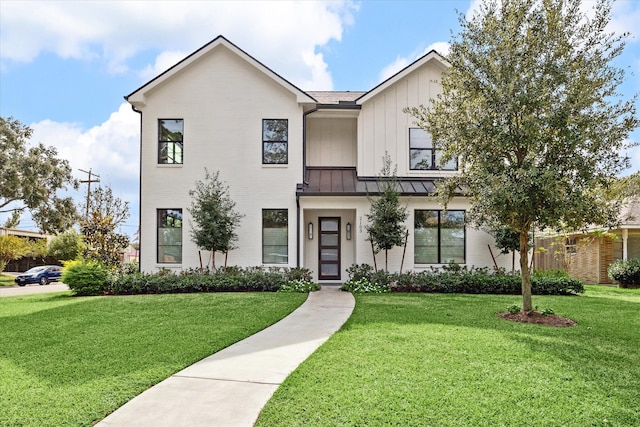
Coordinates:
321 181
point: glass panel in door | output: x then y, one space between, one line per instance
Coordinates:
329 249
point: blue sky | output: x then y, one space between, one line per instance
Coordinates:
65 66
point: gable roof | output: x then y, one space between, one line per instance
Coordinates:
138 95
431 56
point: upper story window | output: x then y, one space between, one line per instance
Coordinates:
422 153
170 141
275 135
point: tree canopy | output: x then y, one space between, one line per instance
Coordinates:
214 216
386 216
530 107
102 242
30 178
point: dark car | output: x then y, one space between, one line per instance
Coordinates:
43 275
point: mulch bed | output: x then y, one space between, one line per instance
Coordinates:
538 318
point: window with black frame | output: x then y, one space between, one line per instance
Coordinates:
169 236
170 141
439 237
275 236
275 145
423 155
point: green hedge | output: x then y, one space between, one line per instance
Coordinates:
456 279
235 279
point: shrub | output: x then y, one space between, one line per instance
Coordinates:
625 272
363 285
85 278
454 278
299 286
235 279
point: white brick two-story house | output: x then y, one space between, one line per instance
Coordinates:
299 166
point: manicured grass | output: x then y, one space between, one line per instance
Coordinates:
447 360
68 361
6 280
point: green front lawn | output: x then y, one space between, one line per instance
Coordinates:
68 361
447 360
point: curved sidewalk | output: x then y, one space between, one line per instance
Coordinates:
230 387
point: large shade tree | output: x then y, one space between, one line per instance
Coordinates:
30 177
530 106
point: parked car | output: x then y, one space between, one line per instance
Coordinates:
43 275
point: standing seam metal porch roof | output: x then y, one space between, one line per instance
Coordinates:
323 181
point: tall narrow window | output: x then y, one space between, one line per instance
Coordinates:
170 141
275 136
275 236
422 153
439 237
169 236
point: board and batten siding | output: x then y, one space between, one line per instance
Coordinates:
331 142
384 127
222 100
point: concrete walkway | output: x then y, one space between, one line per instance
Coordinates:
231 387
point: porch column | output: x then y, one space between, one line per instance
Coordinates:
625 237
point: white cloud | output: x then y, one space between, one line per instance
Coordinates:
284 34
402 61
110 150
164 61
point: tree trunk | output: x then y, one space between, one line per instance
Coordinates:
386 260
213 261
524 271
373 252
406 239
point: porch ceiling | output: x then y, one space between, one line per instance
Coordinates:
322 181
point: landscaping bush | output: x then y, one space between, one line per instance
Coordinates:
457 279
299 286
625 272
85 278
235 279
363 285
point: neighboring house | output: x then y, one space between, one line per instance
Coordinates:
587 256
298 164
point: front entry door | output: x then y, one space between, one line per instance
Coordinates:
329 249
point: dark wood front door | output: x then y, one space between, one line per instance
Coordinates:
329 249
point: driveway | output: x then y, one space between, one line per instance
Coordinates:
32 289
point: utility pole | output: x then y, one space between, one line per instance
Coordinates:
88 182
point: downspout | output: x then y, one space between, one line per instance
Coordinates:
139 189
304 180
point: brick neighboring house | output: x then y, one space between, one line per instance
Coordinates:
299 165
588 256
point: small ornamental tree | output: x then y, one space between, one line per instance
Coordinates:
214 216
11 248
530 107
66 246
386 216
106 213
